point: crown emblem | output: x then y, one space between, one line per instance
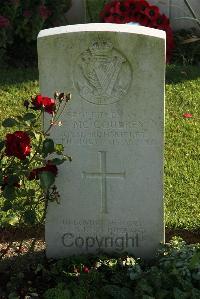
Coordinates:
100 48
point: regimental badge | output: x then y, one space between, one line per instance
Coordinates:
102 75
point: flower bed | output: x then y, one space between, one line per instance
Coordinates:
141 12
173 274
20 21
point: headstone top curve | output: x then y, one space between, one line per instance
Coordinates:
101 27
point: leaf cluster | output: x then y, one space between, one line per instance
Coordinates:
173 274
25 19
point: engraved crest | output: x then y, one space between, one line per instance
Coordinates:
102 75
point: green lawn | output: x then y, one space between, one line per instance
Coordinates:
182 138
182 148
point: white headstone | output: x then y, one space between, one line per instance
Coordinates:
112 191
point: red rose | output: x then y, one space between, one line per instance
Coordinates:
86 269
48 104
4 22
34 174
18 145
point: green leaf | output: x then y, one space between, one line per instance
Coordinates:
2 144
37 136
9 122
9 192
1 179
67 158
28 123
126 293
48 146
29 116
31 192
13 179
46 179
195 293
57 293
7 205
22 193
57 161
179 294
195 261
13 295
117 292
19 118
59 149
30 217
13 219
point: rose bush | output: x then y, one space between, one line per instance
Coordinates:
28 164
21 20
139 11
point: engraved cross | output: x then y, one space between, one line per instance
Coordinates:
103 175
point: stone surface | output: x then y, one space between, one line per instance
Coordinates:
112 191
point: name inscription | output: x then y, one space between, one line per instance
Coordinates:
102 128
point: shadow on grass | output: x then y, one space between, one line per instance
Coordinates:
179 73
174 74
17 75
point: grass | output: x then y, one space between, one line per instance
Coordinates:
182 149
16 85
182 145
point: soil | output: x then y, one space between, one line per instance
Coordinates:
15 242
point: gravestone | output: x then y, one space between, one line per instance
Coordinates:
112 191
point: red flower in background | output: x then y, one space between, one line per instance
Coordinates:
141 12
44 12
48 104
187 115
86 269
18 145
152 13
4 22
